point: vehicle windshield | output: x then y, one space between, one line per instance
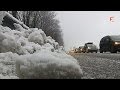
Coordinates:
115 38
91 45
81 47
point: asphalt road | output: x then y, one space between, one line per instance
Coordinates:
99 66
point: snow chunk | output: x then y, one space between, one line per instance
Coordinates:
48 47
7 66
52 42
8 43
47 65
37 37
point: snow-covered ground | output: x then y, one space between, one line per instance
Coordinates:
30 54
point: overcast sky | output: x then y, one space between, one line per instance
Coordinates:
80 27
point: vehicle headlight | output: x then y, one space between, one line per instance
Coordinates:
89 48
116 43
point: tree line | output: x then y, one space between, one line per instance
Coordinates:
45 20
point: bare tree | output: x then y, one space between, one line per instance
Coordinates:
44 20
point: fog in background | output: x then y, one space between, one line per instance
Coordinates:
80 27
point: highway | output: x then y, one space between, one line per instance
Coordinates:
99 65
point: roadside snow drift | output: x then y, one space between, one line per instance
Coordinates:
30 54
47 65
7 66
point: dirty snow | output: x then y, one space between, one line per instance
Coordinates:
31 54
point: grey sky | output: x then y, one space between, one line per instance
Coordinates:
80 27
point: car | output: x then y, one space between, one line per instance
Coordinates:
90 47
76 50
110 43
81 49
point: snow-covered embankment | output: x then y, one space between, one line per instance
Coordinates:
30 54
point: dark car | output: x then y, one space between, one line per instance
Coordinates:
110 43
90 47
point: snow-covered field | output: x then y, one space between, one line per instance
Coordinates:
30 54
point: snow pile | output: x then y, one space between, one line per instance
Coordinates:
7 66
34 55
47 65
